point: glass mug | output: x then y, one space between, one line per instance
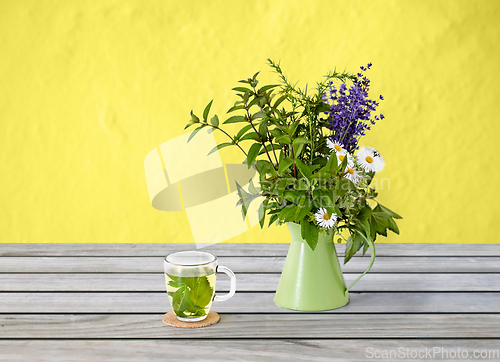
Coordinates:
190 278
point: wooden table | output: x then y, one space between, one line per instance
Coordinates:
104 302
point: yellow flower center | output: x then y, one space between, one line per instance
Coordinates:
325 217
351 171
341 157
338 148
369 159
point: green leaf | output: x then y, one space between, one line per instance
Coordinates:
304 169
300 205
279 101
214 121
370 177
293 196
363 218
201 293
269 148
364 213
267 87
189 124
242 90
322 175
242 131
252 153
380 223
365 248
173 281
303 208
332 164
193 120
354 243
252 189
195 132
293 128
286 212
326 202
277 133
393 226
284 165
263 129
262 214
300 141
258 115
181 300
309 233
235 119
343 186
305 228
272 219
253 102
285 139
322 107
263 166
251 136
373 231
235 108
297 150
387 211
218 147
207 110
245 199
303 184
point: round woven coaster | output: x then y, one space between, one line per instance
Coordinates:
171 320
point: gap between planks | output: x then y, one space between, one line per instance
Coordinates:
235 249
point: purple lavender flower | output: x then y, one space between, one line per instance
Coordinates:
351 111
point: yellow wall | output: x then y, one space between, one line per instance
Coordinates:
88 88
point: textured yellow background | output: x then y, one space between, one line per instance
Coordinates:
88 88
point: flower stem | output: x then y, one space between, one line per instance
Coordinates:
293 158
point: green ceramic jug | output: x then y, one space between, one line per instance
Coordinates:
312 280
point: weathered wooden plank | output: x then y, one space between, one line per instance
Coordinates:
149 249
236 249
148 302
246 264
247 350
371 282
254 326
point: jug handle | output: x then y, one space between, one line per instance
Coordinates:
372 252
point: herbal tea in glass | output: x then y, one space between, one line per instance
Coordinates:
191 297
190 278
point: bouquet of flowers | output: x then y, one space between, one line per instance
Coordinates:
305 149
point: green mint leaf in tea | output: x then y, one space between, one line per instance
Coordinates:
190 296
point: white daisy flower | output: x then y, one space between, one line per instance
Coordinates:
324 220
342 155
353 175
335 146
370 160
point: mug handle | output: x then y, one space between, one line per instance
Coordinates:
372 251
232 289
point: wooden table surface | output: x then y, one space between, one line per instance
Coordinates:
104 302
